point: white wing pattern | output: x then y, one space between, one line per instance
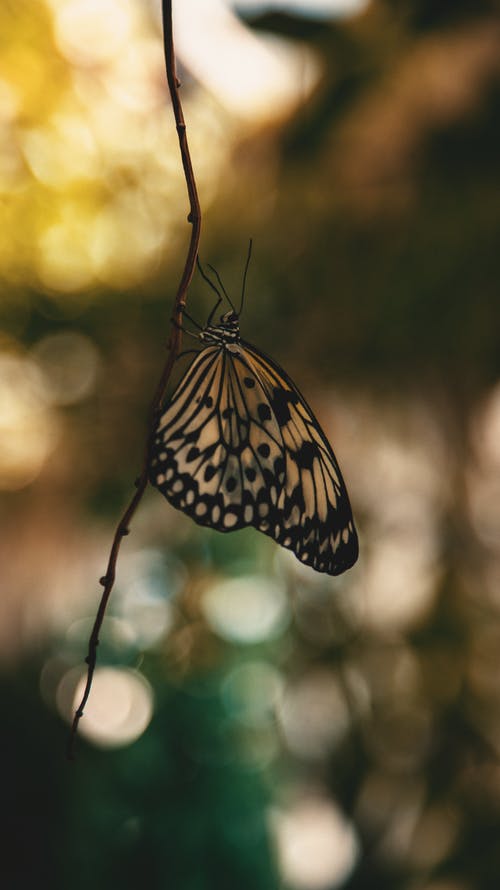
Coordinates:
237 445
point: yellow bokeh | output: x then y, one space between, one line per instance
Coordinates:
89 153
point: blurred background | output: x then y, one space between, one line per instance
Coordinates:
253 724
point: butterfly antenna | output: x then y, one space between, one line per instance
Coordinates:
249 254
212 285
223 289
206 278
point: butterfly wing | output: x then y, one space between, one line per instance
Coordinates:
314 516
211 458
237 445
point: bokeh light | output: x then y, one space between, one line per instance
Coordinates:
78 38
121 706
69 364
247 609
317 847
267 78
314 714
251 692
313 8
147 595
28 431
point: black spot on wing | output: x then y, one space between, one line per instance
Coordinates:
210 450
306 454
264 412
279 466
280 401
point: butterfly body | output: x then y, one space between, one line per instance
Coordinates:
237 445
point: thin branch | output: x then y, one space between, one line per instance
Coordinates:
173 347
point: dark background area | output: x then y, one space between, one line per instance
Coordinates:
303 731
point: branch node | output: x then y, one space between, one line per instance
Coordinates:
104 580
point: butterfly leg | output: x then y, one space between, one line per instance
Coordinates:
183 329
187 352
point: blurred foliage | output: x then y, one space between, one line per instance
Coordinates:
162 812
374 213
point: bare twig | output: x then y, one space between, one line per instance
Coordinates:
173 347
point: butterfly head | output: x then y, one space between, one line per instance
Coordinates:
229 319
225 332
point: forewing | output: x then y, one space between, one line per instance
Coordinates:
212 456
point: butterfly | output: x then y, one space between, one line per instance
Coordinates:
237 445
